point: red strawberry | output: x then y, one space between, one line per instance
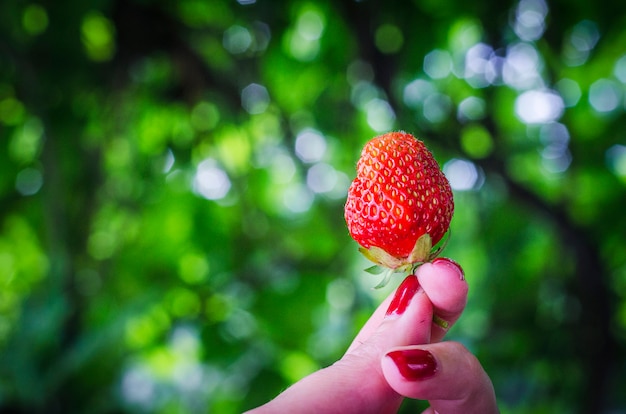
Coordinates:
400 204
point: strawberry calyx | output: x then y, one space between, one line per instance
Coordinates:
387 264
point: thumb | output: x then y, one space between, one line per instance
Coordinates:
446 374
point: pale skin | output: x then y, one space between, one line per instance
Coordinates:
366 379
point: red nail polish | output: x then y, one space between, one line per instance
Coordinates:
414 364
451 263
403 296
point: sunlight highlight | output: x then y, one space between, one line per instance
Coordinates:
530 16
539 107
210 181
310 145
556 157
438 64
255 99
463 175
380 115
605 95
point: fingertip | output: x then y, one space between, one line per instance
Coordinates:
458 382
451 264
444 282
409 370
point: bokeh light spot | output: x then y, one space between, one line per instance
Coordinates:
255 99
321 178
101 245
311 25
303 41
437 107
26 143
193 268
380 115
580 42
183 302
539 106
359 71
296 365
138 387
237 39
438 64
35 19
28 181
340 294
620 69
310 145
97 34
388 38
297 198
417 91
471 109
282 168
521 67
476 141
204 116
605 95
569 91
481 65
462 174
529 21
210 181
556 157
12 111
616 161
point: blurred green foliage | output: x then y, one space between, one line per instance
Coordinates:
172 180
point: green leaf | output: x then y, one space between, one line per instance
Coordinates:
385 280
375 270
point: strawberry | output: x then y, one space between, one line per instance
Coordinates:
400 204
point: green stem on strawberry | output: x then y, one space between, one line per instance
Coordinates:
442 323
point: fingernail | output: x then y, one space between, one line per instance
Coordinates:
451 264
414 364
403 296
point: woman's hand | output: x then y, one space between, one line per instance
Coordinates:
397 354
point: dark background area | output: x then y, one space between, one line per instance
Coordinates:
173 174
